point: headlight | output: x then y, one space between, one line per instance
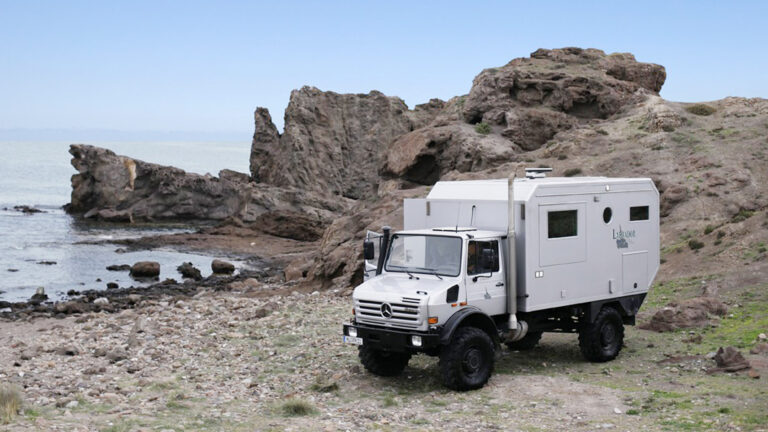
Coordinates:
351 331
416 341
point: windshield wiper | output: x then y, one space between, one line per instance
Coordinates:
411 276
434 272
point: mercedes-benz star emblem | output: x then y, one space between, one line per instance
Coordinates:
386 310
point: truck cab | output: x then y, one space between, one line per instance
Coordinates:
524 257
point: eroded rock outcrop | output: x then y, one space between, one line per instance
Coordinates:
118 188
333 143
534 98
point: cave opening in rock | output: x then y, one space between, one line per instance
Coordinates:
425 171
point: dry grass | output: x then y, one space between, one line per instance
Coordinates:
10 402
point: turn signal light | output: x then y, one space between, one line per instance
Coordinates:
463 304
353 311
432 320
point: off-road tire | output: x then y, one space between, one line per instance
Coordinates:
529 341
382 363
601 340
467 362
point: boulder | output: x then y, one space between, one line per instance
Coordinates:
145 269
121 267
691 313
222 267
729 359
189 271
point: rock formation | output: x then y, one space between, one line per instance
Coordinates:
333 143
102 189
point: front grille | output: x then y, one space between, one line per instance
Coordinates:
403 315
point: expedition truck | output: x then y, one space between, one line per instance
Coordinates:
481 263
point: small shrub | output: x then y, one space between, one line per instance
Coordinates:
717 242
570 172
701 109
562 157
633 411
323 386
720 235
483 128
709 229
297 408
724 410
695 244
742 215
10 402
602 132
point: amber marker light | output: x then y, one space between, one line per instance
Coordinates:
432 320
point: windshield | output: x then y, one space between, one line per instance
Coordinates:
425 254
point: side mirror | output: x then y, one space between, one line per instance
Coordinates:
368 251
486 261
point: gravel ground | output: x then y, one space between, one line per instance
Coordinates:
233 361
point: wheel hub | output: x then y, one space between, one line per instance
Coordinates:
608 335
472 360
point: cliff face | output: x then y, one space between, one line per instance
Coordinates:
333 143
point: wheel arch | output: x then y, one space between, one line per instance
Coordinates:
626 306
472 317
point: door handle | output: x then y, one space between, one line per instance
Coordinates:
499 283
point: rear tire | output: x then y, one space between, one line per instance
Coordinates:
529 341
383 363
467 362
601 340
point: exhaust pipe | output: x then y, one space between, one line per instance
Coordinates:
384 246
517 329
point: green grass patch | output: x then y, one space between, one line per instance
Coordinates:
695 244
740 327
296 408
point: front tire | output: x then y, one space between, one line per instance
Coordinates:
528 342
382 363
601 340
467 362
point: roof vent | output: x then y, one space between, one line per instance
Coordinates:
534 173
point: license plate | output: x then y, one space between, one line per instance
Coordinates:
353 340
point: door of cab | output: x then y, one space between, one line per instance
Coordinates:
369 269
485 286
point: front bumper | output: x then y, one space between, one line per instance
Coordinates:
387 339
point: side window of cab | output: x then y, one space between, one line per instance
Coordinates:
475 265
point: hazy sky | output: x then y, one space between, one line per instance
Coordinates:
205 66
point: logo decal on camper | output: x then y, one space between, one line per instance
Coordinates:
623 238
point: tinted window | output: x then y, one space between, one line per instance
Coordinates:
607 214
562 224
473 256
638 213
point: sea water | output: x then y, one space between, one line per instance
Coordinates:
38 174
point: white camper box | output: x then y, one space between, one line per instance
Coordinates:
604 244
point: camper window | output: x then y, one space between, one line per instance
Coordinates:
473 257
638 213
607 215
562 224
